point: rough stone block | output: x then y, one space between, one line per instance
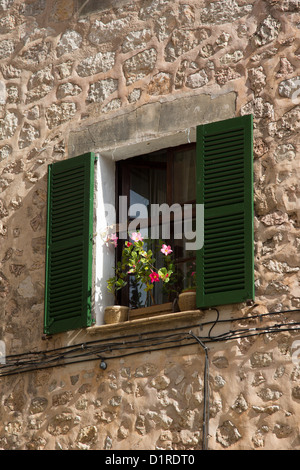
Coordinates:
59 114
8 125
101 90
7 47
69 42
224 11
113 31
98 63
140 65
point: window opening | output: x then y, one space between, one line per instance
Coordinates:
164 177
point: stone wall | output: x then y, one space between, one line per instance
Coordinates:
67 68
154 400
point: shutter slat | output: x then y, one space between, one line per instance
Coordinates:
222 243
223 134
225 187
70 219
65 272
221 177
223 170
65 296
68 184
67 223
64 253
65 175
62 234
221 263
226 192
60 308
62 212
65 289
215 273
224 147
225 154
66 198
223 163
224 289
223 281
68 315
230 248
69 244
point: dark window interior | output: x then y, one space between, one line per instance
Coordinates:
167 176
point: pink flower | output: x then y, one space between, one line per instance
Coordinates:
166 250
154 277
113 237
136 237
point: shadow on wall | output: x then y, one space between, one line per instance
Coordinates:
84 7
22 257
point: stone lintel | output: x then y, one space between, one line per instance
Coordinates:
152 126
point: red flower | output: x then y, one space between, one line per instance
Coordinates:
154 277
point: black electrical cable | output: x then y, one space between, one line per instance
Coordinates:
232 333
86 344
93 351
258 315
254 334
215 322
106 358
14 372
64 353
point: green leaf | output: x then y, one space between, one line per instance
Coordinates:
162 271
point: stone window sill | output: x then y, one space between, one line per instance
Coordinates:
147 324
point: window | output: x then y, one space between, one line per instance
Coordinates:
167 177
223 182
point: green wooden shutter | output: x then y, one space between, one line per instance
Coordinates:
225 272
69 244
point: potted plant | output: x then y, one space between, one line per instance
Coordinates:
115 313
160 277
138 262
187 297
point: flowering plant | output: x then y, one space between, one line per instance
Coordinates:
140 262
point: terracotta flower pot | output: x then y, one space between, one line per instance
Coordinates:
187 301
115 314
